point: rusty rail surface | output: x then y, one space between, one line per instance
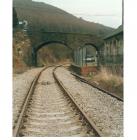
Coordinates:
25 103
88 120
82 79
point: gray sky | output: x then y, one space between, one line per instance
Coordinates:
107 12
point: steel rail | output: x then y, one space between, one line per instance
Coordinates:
88 120
25 103
82 79
31 91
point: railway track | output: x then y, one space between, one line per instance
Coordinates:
82 79
50 110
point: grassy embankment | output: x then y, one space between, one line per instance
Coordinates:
108 81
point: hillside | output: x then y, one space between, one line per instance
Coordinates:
43 16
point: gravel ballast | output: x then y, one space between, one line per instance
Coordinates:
105 111
51 113
21 85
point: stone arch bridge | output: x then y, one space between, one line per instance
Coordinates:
70 40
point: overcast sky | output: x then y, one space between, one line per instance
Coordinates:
107 12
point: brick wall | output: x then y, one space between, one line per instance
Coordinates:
87 70
84 71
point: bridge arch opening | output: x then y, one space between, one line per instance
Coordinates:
51 52
87 55
91 54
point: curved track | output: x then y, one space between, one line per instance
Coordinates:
49 110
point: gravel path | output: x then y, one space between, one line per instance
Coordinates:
21 84
104 110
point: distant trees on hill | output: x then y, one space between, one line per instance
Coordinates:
43 16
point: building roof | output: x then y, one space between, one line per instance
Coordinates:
115 32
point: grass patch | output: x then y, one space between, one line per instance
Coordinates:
109 81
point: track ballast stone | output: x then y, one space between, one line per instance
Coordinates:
21 85
104 110
50 113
